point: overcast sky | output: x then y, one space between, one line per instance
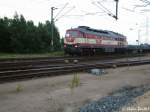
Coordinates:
133 15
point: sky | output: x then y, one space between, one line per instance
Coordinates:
133 15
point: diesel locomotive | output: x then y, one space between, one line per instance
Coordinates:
86 40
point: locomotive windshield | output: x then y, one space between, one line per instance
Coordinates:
72 34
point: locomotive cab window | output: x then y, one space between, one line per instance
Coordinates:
72 34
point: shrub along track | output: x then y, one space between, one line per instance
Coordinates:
12 70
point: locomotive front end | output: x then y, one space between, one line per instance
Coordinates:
71 45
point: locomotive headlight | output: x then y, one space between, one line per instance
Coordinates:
76 46
67 35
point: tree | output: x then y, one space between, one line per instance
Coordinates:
5 35
20 36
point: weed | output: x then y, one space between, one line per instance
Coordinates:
75 82
19 88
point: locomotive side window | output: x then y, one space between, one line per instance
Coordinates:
81 34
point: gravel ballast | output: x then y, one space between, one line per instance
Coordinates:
116 100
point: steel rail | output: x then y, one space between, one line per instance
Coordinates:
12 75
38 63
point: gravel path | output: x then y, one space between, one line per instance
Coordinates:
117 100
55 95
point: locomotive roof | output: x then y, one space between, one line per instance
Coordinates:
105 33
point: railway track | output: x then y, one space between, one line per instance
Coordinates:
43 62
21 74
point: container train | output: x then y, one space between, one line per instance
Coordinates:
86 40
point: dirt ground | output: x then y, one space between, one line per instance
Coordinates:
54 94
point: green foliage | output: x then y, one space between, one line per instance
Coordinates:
31 55
20 36
19 88
75 82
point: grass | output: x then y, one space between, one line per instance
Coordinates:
19 88
75 82
50 54
13 55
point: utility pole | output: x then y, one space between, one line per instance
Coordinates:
52 28
116 17
139 38
53 20
147 29
139 46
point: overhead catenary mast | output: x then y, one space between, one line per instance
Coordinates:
52 28
99 5
54 19
116 17
147 29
